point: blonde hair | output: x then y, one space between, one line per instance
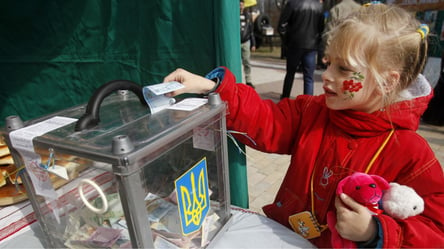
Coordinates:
381 38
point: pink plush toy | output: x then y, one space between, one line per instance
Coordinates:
398 201
363 188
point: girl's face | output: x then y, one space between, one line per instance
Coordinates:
348 87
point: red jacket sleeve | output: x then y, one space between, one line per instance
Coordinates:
271 126
425 230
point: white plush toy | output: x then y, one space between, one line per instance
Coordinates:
401 201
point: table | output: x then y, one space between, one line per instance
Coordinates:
247 229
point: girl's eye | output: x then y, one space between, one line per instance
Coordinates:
344 69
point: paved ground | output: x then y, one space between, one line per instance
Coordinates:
266 171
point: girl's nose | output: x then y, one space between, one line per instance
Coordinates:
326 75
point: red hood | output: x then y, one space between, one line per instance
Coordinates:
404 114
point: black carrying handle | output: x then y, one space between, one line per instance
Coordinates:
91 118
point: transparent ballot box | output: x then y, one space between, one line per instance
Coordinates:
128 178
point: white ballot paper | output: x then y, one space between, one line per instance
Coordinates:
155 98
189 104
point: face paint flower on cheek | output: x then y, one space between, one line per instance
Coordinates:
349 87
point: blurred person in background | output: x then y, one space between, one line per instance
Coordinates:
248 42
302 23
341 10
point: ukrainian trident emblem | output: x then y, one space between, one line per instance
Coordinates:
192 197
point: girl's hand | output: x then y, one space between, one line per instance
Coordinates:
354 221
193 83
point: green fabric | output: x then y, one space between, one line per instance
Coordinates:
228 54
54 54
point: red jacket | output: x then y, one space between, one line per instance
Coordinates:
335 144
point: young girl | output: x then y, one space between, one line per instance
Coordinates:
374 97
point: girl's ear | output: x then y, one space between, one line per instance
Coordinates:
391 82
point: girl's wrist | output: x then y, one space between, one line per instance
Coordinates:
216 75
215 85
373 240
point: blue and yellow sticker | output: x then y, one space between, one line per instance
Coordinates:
192 197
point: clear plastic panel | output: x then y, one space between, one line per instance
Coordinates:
87 212
90 214
164 203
